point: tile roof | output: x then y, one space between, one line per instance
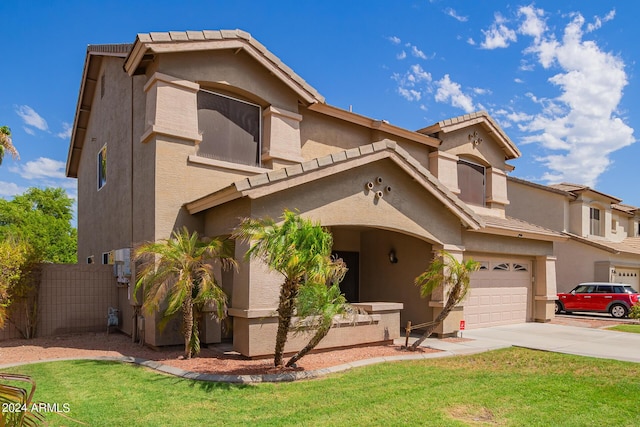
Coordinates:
476 117
630 245
518 226
576 189
206 40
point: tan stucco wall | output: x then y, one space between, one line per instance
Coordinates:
537 206
487 153
238 72
382 281
105 215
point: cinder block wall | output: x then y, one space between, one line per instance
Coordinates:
73 298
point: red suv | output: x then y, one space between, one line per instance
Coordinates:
613 298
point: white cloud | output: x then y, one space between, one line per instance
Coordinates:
471 41
580 128
10 189
597 21
394 39
451 93
418 53
31 118
534 24
412 83
28 130
498 35
41 168
452 13
517 80
401 55
481 91
66 131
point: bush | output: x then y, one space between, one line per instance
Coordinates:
634 313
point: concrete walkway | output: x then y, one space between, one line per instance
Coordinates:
580 341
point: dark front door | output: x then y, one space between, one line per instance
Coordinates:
350 285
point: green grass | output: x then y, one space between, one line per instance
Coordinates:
512 387
626 328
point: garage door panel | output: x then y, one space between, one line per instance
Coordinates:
499 297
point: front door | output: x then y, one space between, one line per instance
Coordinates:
350 285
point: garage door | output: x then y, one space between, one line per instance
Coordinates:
500 294
628 276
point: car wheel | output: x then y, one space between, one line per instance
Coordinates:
559 308
618 311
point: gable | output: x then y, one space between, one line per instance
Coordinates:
475 134
302 175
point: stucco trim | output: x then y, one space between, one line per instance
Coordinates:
174 81
226 165
155 130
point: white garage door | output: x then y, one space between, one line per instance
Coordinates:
628 276
500 294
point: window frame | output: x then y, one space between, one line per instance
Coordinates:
595 224
258 154
465 191
102 173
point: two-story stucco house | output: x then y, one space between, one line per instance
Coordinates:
604 234
202 128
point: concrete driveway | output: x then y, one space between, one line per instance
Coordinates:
562 339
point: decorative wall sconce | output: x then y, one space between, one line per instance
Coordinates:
393 259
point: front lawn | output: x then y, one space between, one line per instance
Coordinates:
507 387
626 328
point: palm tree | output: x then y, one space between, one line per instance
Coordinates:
318 304
298 249
455 276
6 144
178 273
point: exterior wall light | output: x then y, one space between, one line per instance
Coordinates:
393 259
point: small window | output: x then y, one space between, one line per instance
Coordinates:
594 223
484 265
102 167
614 226
501 267
638 229
520 267
584 289
105 258
471 181
618 290
90 259
604 289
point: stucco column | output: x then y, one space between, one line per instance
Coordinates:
544 289
451 323
281 140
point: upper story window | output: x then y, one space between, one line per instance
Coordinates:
102 167
471 181
231 128
594 222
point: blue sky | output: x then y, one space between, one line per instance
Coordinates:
561 78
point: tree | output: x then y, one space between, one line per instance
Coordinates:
318 304
16 263
42 218
298 249
454 276
178 273
6 144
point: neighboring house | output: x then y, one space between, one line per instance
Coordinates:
604 234
200 129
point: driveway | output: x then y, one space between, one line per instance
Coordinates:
562 339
